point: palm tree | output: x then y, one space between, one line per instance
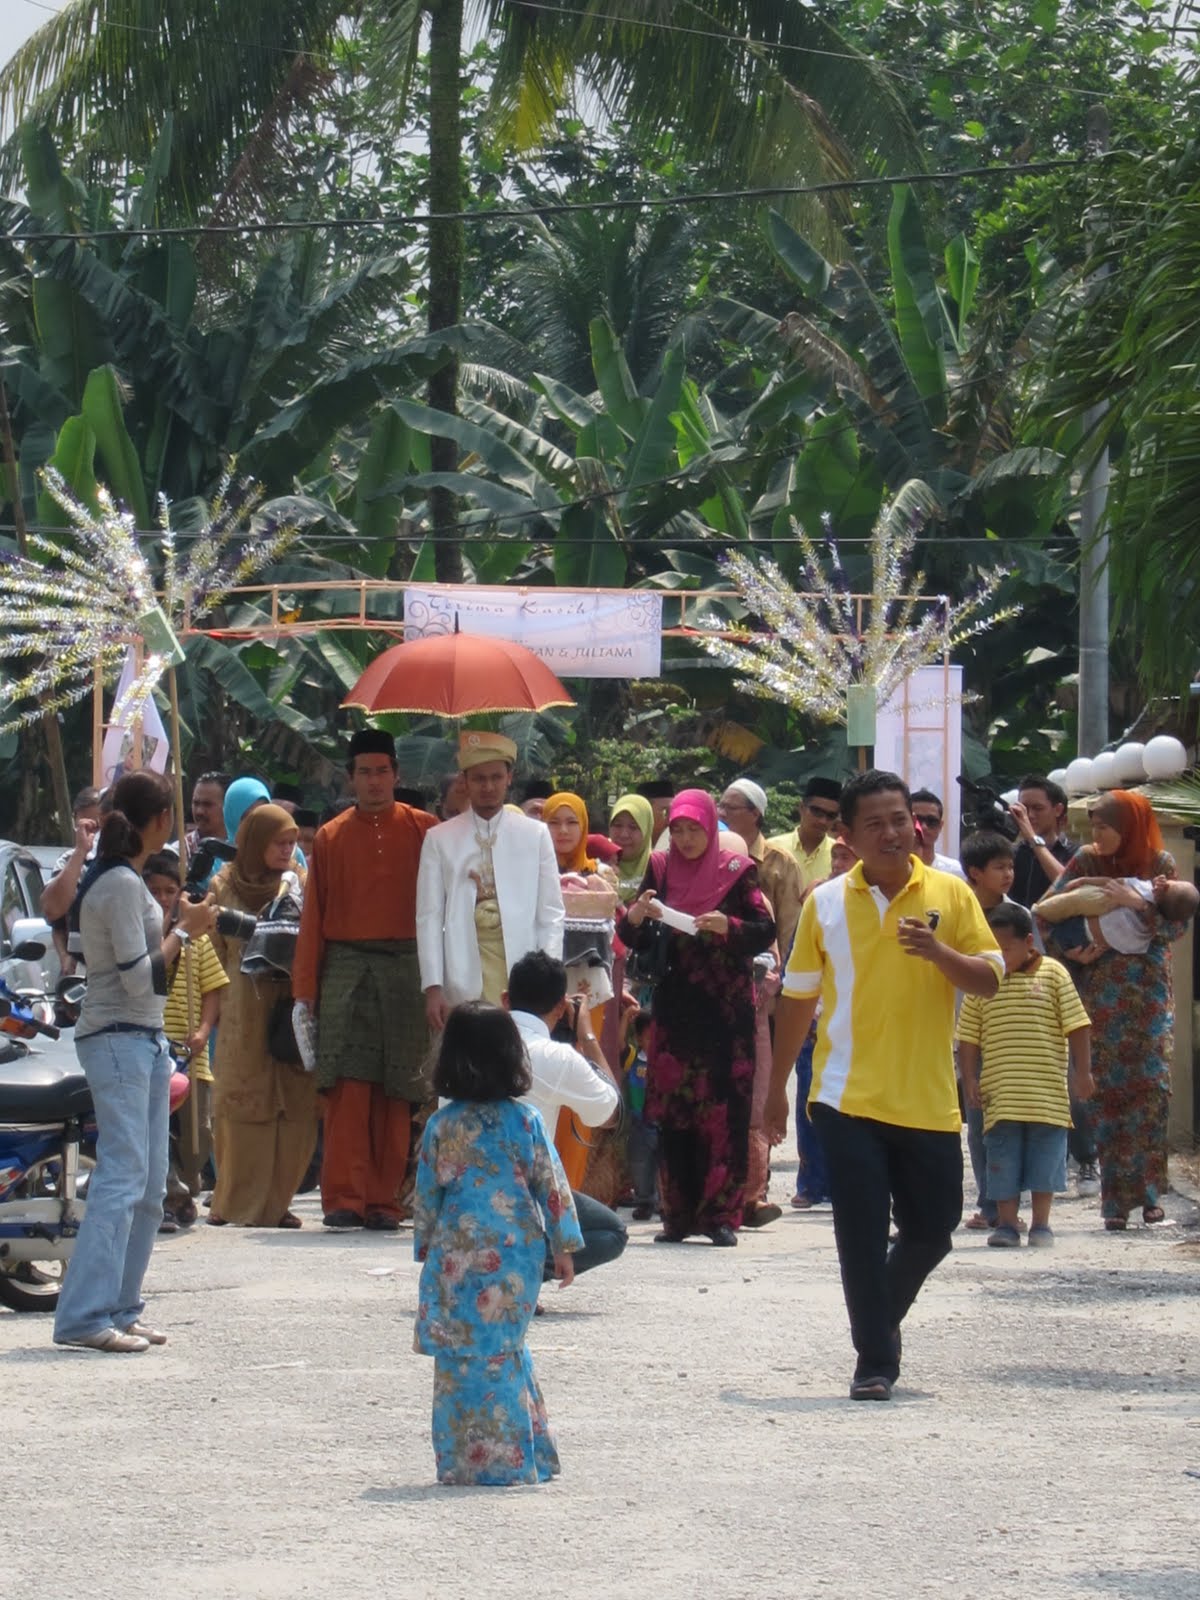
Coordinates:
764 87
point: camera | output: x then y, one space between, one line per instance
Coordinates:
985 811
233 924
565 1028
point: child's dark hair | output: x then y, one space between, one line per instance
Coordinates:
481 1056
641 1022
1009 917
979 850
161 865
138 798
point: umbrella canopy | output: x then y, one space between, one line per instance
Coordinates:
455 675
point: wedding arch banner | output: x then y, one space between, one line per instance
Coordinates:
578 633
919 735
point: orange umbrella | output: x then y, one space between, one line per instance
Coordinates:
455 675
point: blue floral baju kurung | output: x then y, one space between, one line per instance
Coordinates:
489 1188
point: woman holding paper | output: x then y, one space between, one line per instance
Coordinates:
704 901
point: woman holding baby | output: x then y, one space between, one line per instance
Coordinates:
1127 993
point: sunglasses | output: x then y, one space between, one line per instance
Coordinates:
825 816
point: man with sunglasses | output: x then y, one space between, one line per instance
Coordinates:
811 843
929 816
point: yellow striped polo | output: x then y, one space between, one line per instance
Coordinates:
1022 1031
886 1028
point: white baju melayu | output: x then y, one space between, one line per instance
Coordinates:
456 876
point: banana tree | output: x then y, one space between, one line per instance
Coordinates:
588 489
918 393
756 86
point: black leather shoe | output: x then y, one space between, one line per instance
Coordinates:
723 1236
380 1222
343 1220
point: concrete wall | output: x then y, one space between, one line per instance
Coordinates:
1182 1130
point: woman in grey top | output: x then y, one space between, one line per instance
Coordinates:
123 1051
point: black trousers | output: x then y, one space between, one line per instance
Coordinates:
875 1167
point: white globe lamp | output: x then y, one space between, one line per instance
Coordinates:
1011 796
1164 757
1129 763
1104 770
1059 776
1080 776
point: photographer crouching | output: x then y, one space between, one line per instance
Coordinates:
574 1075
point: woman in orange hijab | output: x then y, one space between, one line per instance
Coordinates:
566 816
1129 1000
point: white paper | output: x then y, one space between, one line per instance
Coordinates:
679 920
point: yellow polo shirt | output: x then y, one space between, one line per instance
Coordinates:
815 865
1023 1032
886 1028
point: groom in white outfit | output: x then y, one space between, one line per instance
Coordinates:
487 887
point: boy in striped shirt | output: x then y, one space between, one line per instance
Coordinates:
1026 1032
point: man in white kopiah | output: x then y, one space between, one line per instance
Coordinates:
487 889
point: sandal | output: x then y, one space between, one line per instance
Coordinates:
214 1221
1114 1224
139 1330
1152 1214
289 1219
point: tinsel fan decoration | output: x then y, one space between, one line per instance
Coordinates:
98 587
813 650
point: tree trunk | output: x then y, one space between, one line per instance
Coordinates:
445 260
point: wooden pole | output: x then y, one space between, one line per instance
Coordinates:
189 972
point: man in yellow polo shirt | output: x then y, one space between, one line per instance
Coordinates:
810 845
882 950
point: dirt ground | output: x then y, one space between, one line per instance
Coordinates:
1044 1440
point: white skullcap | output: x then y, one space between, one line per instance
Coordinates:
756 796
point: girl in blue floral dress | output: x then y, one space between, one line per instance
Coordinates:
489 1190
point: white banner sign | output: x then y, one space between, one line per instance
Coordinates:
576 632
118 741
919 735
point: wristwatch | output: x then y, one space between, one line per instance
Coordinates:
1038 840
184 938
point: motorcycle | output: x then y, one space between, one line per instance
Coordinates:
46 1132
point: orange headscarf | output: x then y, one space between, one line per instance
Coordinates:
1133 817
580 861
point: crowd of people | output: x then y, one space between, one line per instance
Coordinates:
610 1008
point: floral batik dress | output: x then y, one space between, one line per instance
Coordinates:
489 1189
1129 999
701 1055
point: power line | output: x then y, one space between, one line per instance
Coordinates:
552 209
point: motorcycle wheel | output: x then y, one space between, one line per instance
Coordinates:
36 1285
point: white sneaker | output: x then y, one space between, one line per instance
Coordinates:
1088 1181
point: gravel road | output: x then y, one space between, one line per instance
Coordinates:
1044 1441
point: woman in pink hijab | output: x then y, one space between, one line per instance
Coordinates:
700 1052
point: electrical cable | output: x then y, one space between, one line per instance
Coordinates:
553 209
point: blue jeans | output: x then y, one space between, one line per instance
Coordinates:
604 1236
812 1181
129 1075
985 1205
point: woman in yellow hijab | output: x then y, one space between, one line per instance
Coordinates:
566 817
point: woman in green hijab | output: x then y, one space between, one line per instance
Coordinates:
631 829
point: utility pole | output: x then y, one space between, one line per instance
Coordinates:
1093 546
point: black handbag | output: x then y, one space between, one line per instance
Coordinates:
649 959
281 1034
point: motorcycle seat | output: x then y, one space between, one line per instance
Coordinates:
38 1091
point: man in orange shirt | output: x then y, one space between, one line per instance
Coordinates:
356 966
